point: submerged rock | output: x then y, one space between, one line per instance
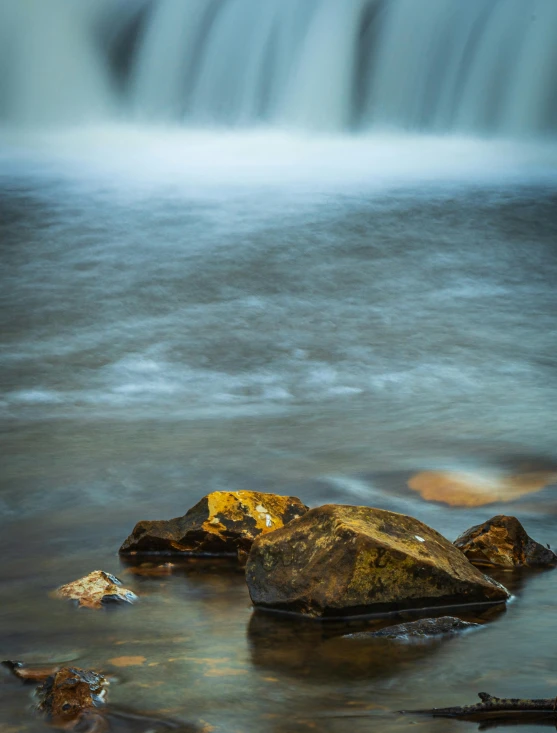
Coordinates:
222 523
503 541
70 694
424 628
348 560
96 590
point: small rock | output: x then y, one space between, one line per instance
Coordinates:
503 541
95 590
347 560
222 523
422 629
71 693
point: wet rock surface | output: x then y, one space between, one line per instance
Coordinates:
341 560
422 629
222 523
70 694
503 541
96 590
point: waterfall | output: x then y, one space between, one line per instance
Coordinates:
50 67
464 66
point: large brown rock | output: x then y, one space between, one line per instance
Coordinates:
348 560
222 523
70 694
96 590
503 541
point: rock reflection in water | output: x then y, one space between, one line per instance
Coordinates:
319 650
519 723
204 574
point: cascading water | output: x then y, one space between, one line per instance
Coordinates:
51 69
473 66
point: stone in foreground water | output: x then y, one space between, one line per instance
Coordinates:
96 590
346 560
222 523
503 541
71 693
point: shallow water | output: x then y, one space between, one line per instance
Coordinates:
184 313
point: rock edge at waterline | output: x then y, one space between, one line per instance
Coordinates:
339 560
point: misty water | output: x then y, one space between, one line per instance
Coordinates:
348 301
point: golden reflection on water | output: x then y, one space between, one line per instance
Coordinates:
472 490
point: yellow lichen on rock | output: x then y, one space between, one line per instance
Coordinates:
223 522
268 510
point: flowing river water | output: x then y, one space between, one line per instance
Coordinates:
358 312
358 321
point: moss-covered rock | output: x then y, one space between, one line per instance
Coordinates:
503 541
96 590
222 523
347 560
